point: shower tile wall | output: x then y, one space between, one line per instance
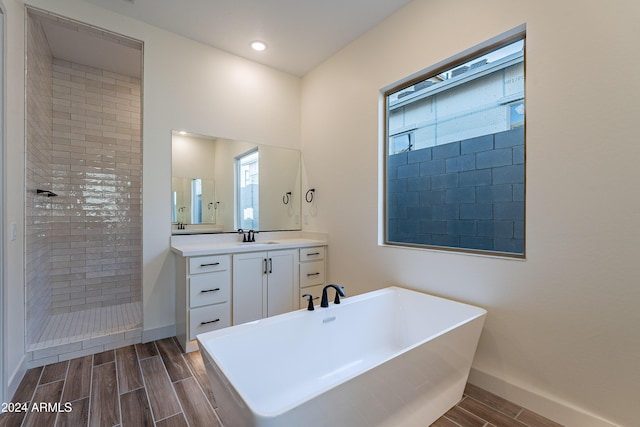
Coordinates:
84 246
96 168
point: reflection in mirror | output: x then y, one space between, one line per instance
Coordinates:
220 185
193 200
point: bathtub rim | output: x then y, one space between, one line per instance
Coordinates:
221 370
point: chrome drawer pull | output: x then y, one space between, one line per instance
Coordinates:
210 265
210 321
209 290
312 274
313 254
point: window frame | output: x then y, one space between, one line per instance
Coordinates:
517 33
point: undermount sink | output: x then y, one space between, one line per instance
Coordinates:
258 243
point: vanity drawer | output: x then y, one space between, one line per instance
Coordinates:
210 288
311 254
209 318
311 273
207 264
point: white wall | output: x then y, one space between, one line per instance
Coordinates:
2 189
562 331
188 86
13 204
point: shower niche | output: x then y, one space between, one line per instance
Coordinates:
83 215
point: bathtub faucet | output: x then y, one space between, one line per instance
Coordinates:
339 293
310 302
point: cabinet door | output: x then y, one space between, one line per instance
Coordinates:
282 281
249 287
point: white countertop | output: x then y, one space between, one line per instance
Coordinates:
197 248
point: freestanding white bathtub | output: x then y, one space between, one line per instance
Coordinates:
391 357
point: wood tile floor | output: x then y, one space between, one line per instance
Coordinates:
154 384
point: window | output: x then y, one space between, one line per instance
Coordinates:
247 190
455 160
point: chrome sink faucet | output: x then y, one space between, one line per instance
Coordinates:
339 293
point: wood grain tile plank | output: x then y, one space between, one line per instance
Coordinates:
443 421
172 358
28 385
464 418
136 411
12 419
146 350
493 401
162 398
174 421
104 357
195 362
105 407
489 414
77 417
78 382
47 393
24 394
195 406
129 375
54 372
534 420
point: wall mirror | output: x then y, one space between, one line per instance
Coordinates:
219 185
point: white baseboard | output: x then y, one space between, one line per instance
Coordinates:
15 378
158 333
560 412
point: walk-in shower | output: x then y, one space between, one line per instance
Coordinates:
83 216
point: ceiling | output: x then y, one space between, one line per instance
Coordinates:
300 34
74 42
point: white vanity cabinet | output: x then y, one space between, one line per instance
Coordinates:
264 284
312 274
222 283
203 296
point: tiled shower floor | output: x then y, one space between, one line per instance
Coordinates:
84 325
82 333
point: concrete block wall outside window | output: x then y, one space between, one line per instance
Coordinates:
465 194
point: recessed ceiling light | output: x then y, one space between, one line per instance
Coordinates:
258 45
182 132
